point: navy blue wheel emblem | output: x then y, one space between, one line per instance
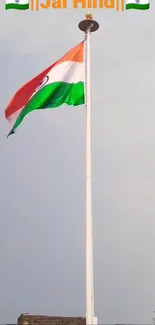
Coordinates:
42 83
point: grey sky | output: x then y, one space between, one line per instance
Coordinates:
42 206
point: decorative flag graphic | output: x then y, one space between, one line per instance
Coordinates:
17 4
61 83
137 4
117 4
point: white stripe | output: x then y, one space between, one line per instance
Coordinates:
21 2
142 2
68 71
12 118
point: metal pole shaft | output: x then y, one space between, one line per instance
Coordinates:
88 26
89 226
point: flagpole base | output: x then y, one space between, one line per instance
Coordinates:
95 320
88 23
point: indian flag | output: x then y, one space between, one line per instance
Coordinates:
17 4
61 83
137 4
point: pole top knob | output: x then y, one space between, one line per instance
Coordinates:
88 23
89 16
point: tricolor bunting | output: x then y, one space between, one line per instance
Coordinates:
61 83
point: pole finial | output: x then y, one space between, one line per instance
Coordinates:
89 16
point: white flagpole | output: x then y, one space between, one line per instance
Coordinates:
89 25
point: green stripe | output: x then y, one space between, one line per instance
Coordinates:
16 6
137 6
51 96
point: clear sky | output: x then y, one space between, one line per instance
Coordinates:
42 168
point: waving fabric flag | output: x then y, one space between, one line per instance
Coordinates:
61 83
